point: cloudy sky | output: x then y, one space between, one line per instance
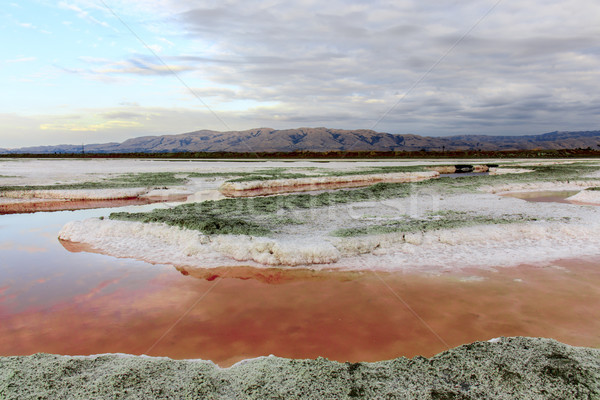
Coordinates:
89 71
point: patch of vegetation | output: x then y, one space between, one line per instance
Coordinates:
190 218
142 179
442 220
593 188
240 215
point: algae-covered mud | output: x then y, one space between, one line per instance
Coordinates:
504 368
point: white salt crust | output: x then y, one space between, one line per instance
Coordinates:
586 196
504 171
577 235
298 184
76 194
539 186
450 249
47 172
170 192
159 243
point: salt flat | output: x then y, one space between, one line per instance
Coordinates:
434 226
417 221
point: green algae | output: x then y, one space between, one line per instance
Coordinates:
197 217
442 220
214 217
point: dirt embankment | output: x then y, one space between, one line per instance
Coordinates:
507 368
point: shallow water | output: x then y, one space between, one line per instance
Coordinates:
550 196
68 302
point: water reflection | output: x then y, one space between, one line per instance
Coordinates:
271 276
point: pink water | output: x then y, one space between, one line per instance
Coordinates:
58 300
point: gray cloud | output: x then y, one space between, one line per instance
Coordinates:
123 115
347 58
528 67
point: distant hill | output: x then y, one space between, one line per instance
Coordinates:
323 139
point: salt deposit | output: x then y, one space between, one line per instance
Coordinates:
51 171
32 172
204 195
52 200
561 230
543 163
485 246
504 171
252 188
443 169
586 196
539 186
159 243
170 192
75 194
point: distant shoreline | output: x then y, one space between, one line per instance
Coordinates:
325 155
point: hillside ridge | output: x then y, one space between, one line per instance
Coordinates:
321 140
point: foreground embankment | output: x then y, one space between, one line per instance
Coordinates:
506 368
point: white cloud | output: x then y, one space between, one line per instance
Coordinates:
21 59
83 14
155 48
27 25
167 41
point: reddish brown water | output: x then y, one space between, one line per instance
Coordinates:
56 301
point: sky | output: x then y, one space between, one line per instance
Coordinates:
95 71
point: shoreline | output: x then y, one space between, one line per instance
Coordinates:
507 367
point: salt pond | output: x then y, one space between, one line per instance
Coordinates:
56 301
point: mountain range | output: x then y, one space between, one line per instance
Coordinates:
321 140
